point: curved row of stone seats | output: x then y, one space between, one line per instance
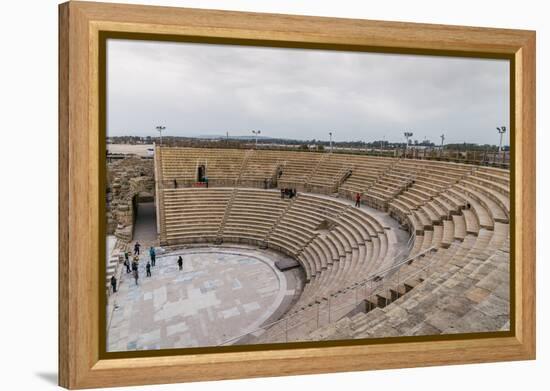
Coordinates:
337 171
500 185
362 177
459 227
391 183
338 298
496 196
494 175
475 261
330 239
422 219
420 180
348 256
251 215
297 167
259 166
223 166
345 172
486 207
446 170
352 260
464 288
478 215
483 205
380 179
193 215
305 219
300 323
431 178
226 165
328 174
429 239
359 247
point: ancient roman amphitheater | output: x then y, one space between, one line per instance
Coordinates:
426 253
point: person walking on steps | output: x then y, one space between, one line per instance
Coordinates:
113 283
127 264
136 248
153 255
136 276
127 261
148 269
135 263
180 262
357 200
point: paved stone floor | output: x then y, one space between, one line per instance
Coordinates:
221 293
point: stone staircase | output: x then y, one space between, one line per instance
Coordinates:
323 158
219 238
246 158
276 223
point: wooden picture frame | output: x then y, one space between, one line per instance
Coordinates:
81 152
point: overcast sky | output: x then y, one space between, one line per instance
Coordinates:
199 89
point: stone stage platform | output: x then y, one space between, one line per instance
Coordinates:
222 292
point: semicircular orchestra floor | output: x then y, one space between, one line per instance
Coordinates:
220 293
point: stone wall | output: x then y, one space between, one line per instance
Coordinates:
127 178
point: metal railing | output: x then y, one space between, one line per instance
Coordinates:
338 304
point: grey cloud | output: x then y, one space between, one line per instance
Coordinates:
210 89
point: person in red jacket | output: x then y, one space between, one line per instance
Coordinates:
357 200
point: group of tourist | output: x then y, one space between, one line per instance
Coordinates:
132 267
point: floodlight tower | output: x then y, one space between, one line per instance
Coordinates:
256 133
501 132
160 128
330 136
407 135
442 140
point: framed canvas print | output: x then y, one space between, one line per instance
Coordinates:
249 194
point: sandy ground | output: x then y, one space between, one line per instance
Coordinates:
140 149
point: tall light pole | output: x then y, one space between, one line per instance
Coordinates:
256 133
160 129
407 135
501 131
442 140
330 138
